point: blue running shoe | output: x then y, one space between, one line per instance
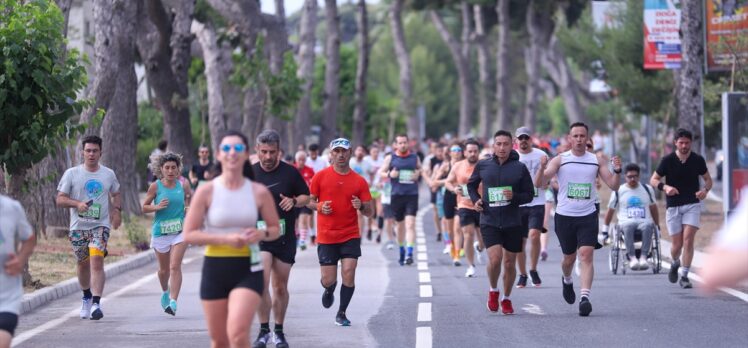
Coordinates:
165 300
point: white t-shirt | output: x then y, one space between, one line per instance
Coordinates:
317 164
632 204
14 227
85 186
576 183
362 168
532 162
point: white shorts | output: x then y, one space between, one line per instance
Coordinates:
163 244
676 217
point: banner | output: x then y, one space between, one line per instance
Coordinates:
662 47
726 34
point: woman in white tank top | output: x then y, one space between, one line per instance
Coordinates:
223 215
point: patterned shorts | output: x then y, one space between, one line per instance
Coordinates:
89 242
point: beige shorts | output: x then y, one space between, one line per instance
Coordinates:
676 217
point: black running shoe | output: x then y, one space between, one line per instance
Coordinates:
535 278
673 275
280 340
368 234
569 294
585 307
438 237
379 237
522 281
341 320
262 339
685 283
409 260
328 298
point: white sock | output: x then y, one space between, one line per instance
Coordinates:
493 289
568 280
504 297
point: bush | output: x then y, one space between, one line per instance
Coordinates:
136 233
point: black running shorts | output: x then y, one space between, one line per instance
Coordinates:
450 204
329 254
510 238
223 274
576 231
281 249
387 211
532 218
8 322
404 205
468 217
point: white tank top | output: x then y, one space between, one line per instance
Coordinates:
230 211
576 182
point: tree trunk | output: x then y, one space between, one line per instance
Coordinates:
164 47
64 6
502 66
463 73
555 64
215 77
406 77
539 27
277 45
332 73
690 99
484 87
305 72
359 112
244 15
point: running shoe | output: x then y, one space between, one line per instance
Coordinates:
262 339
673 275
543 255
478 252
390 245
470 272
96 312
506 307
493 301
302 244
165 299
446 249
585 307
456 262
172 308
535 278
379 237
685 283
409 260
634 264
522 281
279 338
439 237
328 298
569 295
341 320
368 234
86 307
643 265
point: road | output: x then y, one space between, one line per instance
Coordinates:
428 304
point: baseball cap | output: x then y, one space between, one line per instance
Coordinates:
340 142
523 131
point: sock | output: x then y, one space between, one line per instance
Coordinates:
96 299
402 253
346 293
330 288
504 297
445 238
410 250
568 280
87 293
265 327
302 234
684 271
493 289
278 328
585 293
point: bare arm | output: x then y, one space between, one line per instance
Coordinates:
384 171
451 180
613 180
150 195
63 200
609 216
187 194
701 194
655 212
548 170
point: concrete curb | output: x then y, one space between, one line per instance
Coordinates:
43 296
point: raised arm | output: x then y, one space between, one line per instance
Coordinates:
613 180
384 170
548 170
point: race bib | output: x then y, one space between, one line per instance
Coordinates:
255 259
464 191
171 226
93 213
496 196
387 193
536 191
261 225
579 191
406 176
635 213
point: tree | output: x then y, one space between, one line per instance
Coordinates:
403 60
332 71
215 77
690 98
481 43
539 27
502 65
306 56
359 112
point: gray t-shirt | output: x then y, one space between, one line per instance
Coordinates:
85 186
14 227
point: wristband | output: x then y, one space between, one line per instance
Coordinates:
294 201
605 228
361 208
661 186
618 171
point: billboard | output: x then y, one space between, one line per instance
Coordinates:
735 147
662 46
726 34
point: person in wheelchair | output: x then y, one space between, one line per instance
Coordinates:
637 215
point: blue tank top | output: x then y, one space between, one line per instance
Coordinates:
169 221
404 183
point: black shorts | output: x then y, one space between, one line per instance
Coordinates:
329 254
433 197
404 205
450 204
305 210
532 218
387 211
223 274
8 322
510 238
468 217
576 231
284 250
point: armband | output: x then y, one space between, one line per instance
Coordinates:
661 186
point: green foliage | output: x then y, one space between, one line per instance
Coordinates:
136 233
39 82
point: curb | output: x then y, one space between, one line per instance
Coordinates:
45 295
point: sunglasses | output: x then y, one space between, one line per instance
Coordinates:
340 143
523 137
631 177
237 148
456 149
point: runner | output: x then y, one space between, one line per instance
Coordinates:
682 170
223 215
451 225
91 191
338 194
506 184
469 217
404 168
14 230
388 216
289 191
577 221
363 168
375 160
305 214
433 160
317 163
173 199
201 171
533 212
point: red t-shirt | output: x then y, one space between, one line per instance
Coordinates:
307 173
342 224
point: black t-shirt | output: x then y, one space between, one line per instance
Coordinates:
286 180
682 175
200 170
434 162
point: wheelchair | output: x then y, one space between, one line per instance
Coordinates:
618 251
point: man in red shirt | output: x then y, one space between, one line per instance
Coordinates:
305 214
337 192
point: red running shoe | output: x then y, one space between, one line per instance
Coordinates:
493 301
506 307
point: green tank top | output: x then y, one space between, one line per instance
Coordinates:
169 221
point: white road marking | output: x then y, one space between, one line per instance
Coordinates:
422 266
421 240
424 277
533 309
426 291
423 257
730 291
424 311
421 247
423 337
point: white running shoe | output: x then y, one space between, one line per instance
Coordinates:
86 308
643 265
96 312
470 272
446 249
478 252
634 264
390 245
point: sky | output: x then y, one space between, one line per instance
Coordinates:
268 6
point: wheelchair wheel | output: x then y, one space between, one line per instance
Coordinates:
614 255
656 255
